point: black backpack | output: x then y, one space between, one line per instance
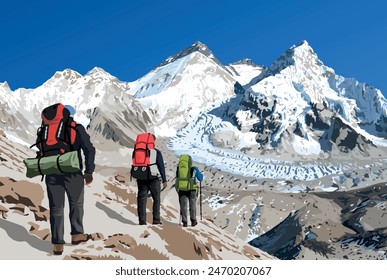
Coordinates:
57 133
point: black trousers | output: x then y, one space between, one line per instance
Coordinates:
144 187
191 197
58 186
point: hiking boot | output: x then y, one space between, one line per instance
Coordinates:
141 223
194 223
157 222
79 238
58 249
185 224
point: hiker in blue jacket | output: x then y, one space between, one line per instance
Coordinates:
191 196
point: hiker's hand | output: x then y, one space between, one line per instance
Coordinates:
164 186
88 178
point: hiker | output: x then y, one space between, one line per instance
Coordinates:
57 135
147 167
186 186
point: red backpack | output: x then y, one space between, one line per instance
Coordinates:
57 132
144 158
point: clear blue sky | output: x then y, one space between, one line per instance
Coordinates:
129 38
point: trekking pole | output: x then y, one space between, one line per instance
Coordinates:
200 194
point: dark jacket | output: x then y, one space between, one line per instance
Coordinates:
160 165
82 142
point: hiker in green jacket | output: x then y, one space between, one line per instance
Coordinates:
186 186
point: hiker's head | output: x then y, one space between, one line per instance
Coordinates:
70 109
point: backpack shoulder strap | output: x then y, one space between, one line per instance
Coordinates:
39 139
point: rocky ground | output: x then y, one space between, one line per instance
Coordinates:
344 224
340 217
110 214
336 217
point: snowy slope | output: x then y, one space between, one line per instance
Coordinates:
298 80
245 70
70 87
183 86
11 118
371 105
291 104
97 91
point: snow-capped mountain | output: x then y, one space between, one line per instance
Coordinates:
297 108
10 118
97 96
299 76
291 104
286 118
181 87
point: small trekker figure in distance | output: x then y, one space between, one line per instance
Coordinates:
187 188
147 168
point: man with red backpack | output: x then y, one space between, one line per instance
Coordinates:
147 166
57 135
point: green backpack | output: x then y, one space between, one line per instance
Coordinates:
184 174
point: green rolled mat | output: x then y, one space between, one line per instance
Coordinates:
58 164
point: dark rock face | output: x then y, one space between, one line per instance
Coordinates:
345 138
338 225
282 241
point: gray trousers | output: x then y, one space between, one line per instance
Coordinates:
191 197
58 186
144 187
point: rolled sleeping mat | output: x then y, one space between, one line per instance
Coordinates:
58 164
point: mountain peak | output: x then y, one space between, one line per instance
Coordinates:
301 54
245 61
67 74
98 73
96 70
303 43
5 85
199 44
303 46
196 47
